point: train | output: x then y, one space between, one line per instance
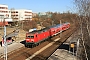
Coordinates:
34 38
8 40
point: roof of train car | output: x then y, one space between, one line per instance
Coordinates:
39 31
45 29
55 26
67 23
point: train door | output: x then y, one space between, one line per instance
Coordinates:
36 38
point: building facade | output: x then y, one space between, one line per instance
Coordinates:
22 14
4 12
15 15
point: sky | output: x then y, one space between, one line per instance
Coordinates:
40 5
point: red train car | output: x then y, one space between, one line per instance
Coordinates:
65 26
8 41
35 37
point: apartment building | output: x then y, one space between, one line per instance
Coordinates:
22 14
4 12
16 15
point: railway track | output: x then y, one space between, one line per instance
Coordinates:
43 51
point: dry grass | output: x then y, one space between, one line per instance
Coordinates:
20 36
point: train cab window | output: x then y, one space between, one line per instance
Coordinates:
30 36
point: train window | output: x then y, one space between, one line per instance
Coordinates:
9 38
30 36
54 31
36 35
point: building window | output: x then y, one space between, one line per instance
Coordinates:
16 15
27 12
28 15
3 8
16 11
9 11
13 12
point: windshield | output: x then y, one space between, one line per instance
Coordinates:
30 36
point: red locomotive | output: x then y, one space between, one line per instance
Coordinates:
35 37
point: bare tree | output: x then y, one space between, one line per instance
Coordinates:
83 8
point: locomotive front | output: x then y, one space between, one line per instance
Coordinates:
29 38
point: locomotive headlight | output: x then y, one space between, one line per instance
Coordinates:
27 39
